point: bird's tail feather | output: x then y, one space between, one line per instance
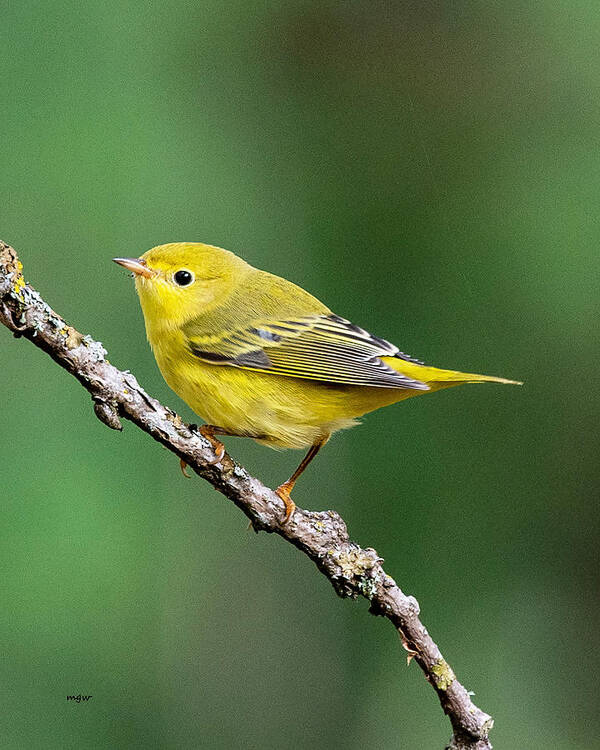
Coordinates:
453 376
438 378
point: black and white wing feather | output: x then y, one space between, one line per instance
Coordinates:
326 348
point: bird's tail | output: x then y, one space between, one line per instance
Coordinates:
454 376
437 378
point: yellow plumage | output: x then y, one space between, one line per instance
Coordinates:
257 356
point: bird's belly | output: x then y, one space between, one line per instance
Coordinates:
279 411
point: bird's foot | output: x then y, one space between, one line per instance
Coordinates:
183 467
208 431
290 506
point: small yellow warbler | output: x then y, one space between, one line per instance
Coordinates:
256 356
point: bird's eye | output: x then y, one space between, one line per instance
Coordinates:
183 277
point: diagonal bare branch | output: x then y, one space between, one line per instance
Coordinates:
323 537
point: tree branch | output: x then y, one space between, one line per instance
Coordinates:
323 537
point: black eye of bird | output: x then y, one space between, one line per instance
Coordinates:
183 277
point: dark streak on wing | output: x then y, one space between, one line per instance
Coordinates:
285 329
211 356
408 358
255 358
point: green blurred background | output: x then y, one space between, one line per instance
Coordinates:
431 170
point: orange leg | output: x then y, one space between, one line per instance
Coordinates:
209 431
285 489
183 467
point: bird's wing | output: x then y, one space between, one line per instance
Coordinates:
313 347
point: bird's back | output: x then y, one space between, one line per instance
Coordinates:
258 295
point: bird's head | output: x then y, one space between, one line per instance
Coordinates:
177 281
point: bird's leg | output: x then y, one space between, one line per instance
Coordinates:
285 489
209 431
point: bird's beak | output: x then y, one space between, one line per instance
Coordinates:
136 266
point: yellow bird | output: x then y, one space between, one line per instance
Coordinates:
256 356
